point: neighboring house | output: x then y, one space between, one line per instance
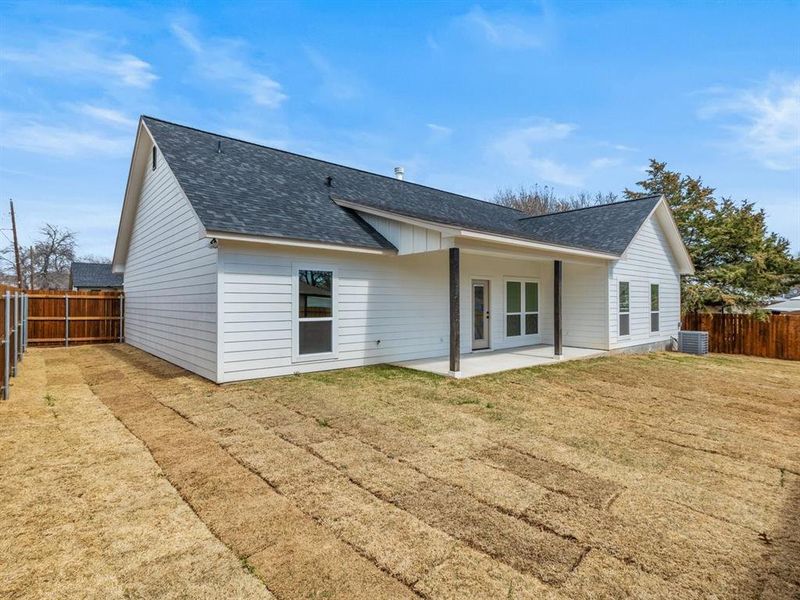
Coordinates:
243 261
96 277
791 305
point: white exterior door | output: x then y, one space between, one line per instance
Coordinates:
480 314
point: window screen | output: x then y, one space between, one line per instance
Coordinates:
624 308
315 312
654 307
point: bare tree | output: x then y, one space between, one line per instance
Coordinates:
45 263
543 200
53 254
94 258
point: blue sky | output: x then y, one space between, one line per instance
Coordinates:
467 97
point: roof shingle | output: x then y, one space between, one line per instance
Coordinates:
240 187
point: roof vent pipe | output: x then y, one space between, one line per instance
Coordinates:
399 173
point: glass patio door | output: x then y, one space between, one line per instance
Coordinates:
480 314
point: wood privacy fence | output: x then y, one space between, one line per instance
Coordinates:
776 337
66 318
14 331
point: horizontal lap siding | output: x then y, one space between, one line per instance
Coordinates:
171 278
399 300
584 306
648 260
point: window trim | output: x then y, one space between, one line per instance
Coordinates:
334 318
650 310
522 281
620 312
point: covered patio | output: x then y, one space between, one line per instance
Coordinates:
494 361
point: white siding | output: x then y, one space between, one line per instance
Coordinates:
584 306
171 278
408 239
400 301
649 259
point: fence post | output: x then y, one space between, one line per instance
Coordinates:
7 298
25 323
20 325
16 320
121 318
66 319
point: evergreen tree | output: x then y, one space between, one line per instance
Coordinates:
738 262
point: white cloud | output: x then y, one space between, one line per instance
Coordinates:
764 121
107 115
336 82
221 61
30 135
528 148
506 30
605 162
84 57
438 133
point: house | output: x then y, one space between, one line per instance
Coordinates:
243 261
789 305
95 277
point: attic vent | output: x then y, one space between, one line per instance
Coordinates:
155 154
399 173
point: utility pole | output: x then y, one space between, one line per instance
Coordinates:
32 269
20 283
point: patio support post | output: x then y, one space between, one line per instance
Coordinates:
557 284
455 310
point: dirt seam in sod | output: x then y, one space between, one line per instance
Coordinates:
241 556
542 527
180 493
318 521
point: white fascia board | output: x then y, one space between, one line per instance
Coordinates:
132 188
443 229
501 239
448 231
276 241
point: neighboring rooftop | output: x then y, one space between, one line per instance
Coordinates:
93 275
244 188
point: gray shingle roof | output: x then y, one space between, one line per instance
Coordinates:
94 275
255 190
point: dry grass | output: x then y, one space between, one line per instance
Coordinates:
644 476
85 512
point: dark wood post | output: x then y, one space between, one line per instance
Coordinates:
455 312
557 284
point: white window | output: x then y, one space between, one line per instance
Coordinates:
624 308
522 308
314 312
654 307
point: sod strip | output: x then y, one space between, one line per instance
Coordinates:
393 538
427 558
295 556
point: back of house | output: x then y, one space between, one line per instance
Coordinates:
242 261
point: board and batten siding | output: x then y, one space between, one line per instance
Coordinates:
171 278
649 259
387 308
407 238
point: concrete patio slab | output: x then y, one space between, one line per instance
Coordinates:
494 361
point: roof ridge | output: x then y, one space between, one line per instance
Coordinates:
328 162
603 205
